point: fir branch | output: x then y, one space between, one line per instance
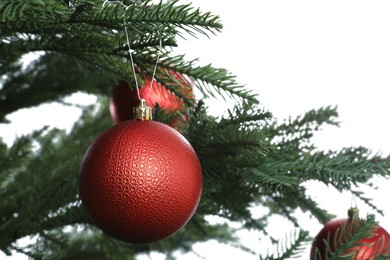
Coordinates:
283 206
17 16
45 81
81 242
311 120
37 16
345 167
269 182
207 76
146 16
309 205
31 190
367 201
244 147
290 247
295 134
12 159
340 169
225 82
93 34
247 116
259 224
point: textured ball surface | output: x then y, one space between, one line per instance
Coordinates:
140 181
367 248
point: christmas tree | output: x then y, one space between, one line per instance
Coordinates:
248 158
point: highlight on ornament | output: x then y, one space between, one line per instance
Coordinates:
336 239
140 181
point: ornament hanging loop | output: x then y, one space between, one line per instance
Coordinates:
353 212
157 60
131 56
125 3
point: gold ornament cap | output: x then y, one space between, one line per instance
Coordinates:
142 111
353 213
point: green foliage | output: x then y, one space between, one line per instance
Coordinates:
45 80
93 37
248 159
290 247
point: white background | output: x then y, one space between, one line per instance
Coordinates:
297 55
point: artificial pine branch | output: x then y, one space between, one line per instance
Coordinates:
290 247
367 201
295 134
36 17
310 206
269 182
46 81
343 168
88 32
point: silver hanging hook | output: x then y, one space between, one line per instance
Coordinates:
130 55
159 51
353 201
126 5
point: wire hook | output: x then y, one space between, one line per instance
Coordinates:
159 51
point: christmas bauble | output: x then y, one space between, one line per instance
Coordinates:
140 181
366 248
123 99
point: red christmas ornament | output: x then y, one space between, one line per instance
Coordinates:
140 181
367 248
123 99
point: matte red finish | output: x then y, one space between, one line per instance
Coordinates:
123 99
366 247
140 181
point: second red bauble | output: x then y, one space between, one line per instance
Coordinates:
140 181
366 248
123 99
